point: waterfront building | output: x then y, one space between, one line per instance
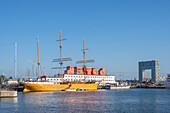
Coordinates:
149 65
162 79
8 82
168 82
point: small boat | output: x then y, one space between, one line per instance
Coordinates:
119 87
70 90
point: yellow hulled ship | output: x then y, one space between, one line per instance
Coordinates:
47 86
59 86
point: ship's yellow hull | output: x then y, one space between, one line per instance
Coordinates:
58 87
44 87
88 86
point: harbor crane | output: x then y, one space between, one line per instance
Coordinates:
32 69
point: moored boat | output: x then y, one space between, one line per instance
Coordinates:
70 90
120 87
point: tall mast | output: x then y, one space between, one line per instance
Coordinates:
84 58
61 63
28 73
84 53
44 71
33 71
15 60
60 60
38 58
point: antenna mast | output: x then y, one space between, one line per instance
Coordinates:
15 60
38 58
121 77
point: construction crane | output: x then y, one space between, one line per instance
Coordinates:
28 77
32 62
103 79
32 69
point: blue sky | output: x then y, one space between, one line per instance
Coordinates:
118 34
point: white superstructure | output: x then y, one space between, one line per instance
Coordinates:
89 78
108 80
52 79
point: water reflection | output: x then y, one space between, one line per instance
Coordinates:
133 100
66 101
9 100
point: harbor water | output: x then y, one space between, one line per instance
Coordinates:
111 101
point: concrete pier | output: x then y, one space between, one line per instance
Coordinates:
4 94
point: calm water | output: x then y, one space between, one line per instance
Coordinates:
114 101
